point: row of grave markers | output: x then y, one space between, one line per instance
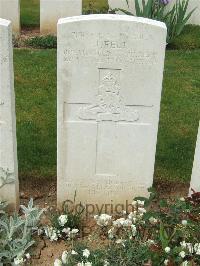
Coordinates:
108 113
52 10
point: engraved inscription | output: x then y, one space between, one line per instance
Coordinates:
110 48
106 186
107 54
109 104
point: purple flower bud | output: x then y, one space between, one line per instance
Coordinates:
165 2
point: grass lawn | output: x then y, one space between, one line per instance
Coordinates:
30 10
30 13
35 83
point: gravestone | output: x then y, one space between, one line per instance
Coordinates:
51 11
10 10
8 148
110 70
122 4
195 18
195 179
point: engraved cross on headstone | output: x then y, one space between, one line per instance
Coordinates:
109 111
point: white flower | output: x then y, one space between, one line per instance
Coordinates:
182 199
182 254
119 222
62 219
64 257
119 241
58 262
184 222
51 233
187 245
142 210
86 253
134 230
73 252
110 233
18 260
167 249
183 244
140 203
153 220
150 242
185 263
197 248
166 262
124 212
74 231
106 263
66 230
103 219
80 264
132 216
88 263
28 256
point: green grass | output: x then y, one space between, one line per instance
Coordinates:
35 83
30 13
180 114
188 39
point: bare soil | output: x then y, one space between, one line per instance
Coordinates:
44 195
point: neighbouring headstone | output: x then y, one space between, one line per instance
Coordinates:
110 70
51 11
195 179
122 4
9 188
10 10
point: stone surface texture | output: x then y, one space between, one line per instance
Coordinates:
52 10
10 10
110 70
195 179
8 147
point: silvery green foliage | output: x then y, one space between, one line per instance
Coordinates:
16 233
5 177
32 214
3 205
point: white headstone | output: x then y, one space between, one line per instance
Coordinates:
122 4
10 10
52 10
8 148
195 179
110 70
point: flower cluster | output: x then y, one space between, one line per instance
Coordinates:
126 226
20 259
61 231
166 235
103 219
72 256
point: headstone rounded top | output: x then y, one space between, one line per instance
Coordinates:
116 17
4 22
